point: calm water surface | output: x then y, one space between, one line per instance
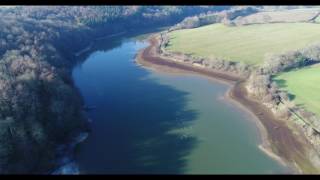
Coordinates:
151 122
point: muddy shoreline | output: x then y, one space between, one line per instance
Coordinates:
279 141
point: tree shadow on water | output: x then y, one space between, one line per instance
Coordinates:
133 129
110 43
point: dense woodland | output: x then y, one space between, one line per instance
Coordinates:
39 106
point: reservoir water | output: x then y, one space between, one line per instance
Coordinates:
149 122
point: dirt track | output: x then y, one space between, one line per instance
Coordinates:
282 141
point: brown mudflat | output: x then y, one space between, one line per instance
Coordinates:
149 54
284 143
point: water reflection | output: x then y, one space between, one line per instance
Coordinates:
146 123
132 122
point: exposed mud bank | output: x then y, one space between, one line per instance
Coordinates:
281 140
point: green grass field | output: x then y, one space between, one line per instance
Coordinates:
304 85
248 44
317 20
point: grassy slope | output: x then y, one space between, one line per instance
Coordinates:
248 44
304 84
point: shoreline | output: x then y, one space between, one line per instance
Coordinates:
262 132
265 144
281 145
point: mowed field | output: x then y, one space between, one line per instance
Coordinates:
304 85
248 44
